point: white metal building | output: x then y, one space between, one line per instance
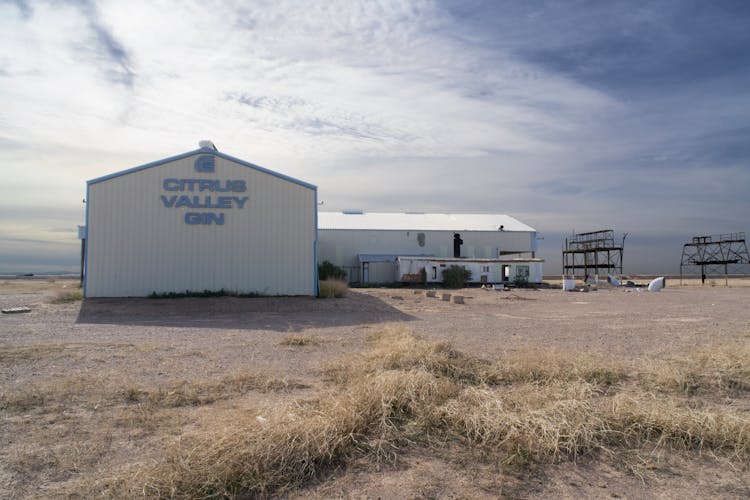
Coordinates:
367 245
202 220
502 270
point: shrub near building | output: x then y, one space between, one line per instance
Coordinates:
456 276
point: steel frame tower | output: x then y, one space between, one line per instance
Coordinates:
711 253
593 251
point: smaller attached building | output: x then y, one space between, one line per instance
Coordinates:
368 245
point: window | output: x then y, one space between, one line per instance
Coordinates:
522 272
420 239
434 272
485 269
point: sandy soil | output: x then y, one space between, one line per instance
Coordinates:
155 342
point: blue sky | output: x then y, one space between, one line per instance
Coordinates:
569 115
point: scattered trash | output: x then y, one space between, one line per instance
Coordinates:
568 285
16 310
260 419
499 287
613 281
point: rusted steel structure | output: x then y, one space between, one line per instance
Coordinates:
593 253
714 254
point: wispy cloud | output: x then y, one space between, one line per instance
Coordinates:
109 49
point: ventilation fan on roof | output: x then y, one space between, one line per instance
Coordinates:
206 144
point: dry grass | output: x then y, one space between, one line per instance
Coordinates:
66 296
718 370
293 340
329 289
96 391
408 391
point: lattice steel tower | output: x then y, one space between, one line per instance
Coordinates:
593 251
712 253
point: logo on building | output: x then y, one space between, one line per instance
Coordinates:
205 163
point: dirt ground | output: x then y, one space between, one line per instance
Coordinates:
157 342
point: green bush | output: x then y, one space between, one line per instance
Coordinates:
329 271
521 282
456 276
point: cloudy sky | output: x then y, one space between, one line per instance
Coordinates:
569 115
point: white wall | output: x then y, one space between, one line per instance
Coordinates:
136 245
492 270
341 246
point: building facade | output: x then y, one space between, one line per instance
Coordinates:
367 245
202 220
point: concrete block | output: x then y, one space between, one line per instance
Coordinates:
458 299
446 297
431 293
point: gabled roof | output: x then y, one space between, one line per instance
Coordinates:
419 221
202 151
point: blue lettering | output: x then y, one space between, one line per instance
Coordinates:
193 218
236 186
204 218
184 201
240 201
217 219
168 202
221 189
224 202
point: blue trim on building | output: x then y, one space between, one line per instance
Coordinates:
205 151
86 250
147 165
315 248
266 171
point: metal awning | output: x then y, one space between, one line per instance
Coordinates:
385 257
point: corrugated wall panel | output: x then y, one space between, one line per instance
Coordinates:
341 246
137 245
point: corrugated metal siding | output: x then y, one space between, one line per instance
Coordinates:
137 245
341 246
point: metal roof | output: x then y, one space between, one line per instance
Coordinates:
420 221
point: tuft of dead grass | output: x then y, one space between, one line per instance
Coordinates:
551 365
717 369
66 296
300 340
538 424
329 289
641 418
398 349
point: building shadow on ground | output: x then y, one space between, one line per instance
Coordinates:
256 313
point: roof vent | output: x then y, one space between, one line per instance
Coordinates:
206 144
352 212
